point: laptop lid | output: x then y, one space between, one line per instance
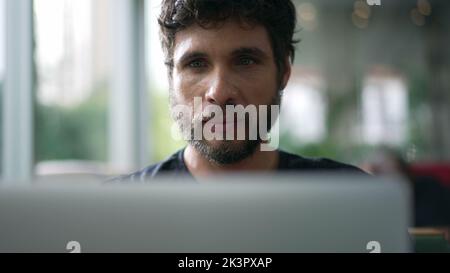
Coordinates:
257 214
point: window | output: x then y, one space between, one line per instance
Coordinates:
2 58
2 42
303 111
72 59
385 110
162 129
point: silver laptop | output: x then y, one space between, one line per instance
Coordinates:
240 214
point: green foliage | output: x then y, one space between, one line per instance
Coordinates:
160 130
81 132
72 133
418 102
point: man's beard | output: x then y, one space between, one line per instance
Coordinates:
227 152
224 152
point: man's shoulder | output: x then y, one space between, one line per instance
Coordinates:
174 167
293 162
170 166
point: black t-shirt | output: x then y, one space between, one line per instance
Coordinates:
175 167
431 202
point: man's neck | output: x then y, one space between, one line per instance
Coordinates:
199 166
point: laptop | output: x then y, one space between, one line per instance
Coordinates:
237 214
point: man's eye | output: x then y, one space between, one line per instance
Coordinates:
197 64
246 61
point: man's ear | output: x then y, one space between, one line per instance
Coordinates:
287 73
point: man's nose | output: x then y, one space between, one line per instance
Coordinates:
221 90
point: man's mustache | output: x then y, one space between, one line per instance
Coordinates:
206 116
209 114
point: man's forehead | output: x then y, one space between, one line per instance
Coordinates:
225 39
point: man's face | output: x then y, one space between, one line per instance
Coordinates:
229 65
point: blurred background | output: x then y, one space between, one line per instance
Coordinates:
84 91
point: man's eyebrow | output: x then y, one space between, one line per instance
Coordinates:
191 56
254 51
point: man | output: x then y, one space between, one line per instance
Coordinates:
227 53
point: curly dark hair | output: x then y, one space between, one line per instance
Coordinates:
277 16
